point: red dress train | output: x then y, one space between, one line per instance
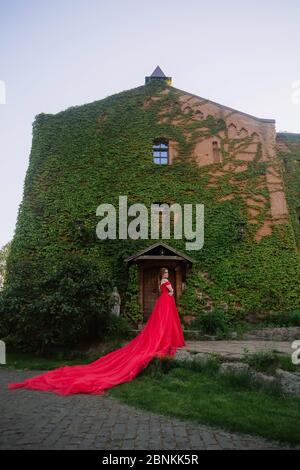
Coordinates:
161 336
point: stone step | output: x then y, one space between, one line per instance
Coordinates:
236 349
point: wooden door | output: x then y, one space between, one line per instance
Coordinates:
150 288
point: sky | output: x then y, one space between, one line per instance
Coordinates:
60 53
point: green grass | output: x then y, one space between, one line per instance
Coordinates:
204 397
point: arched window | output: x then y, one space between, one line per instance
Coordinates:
160 152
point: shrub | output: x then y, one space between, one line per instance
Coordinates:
61 307
283 319
269 361
132 310
114 328
214 322
262 361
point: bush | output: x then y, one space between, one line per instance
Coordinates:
283 319
212 323
114 328
59 307
132 310
269 361
262 361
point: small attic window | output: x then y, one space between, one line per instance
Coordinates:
161 152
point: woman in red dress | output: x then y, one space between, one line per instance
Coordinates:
161 336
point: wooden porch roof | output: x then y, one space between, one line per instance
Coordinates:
146 253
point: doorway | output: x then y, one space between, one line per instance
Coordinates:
150 288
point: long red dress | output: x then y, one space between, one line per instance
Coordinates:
161 336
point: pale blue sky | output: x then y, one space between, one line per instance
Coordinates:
59 53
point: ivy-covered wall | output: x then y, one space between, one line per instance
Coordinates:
91 154
288 149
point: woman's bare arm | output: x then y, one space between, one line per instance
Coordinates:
169 286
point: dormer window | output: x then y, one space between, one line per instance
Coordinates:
161 152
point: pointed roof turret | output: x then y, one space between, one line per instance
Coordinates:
158 74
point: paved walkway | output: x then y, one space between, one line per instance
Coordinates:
41 420
235 349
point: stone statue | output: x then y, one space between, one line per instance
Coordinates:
115 302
